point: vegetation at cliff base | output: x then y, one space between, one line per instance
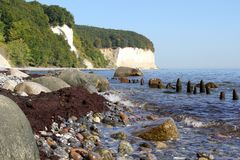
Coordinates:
110 38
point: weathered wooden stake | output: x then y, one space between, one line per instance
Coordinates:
222 96
195 90
202 87
207 90
142 81
179 86
235 95
189 87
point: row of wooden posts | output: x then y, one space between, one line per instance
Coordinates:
203 89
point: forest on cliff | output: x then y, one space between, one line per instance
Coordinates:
26 36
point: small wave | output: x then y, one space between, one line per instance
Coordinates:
194 123
116 98
112 97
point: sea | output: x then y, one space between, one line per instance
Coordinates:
206 123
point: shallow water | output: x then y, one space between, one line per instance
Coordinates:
206 123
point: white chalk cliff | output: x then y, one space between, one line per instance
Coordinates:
3 62
130 57
67 32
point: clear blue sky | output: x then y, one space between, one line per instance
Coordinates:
185 33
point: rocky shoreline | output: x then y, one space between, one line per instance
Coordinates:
88 121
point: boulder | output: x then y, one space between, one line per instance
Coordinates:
91 82
100 82
162 130
125 148
156 83
126 72
30 88
9 85
124 80
52 83
16 137
17 73
211 85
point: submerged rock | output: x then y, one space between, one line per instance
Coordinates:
52 83
162 130
125 148
119 136
211 85
204 156
160 145
106 154
156 83
124 80
30 88
127 71
16 137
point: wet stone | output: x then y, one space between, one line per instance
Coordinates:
61 153
160 145
125 148
94 156
119 136
106 154
75 156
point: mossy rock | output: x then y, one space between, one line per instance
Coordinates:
162 130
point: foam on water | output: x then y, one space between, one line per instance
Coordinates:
114 98
194 123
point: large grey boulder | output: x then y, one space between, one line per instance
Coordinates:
127 71
52 83
16 138
17 73
91 82
162 130
30 88
100 82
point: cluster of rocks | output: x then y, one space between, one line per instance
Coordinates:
9 81
15 82
74 139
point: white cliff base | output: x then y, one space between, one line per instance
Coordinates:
130 57
88 64
3 61
67 32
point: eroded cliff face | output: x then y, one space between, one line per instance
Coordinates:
130 57
67 32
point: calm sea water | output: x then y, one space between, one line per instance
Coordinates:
206 123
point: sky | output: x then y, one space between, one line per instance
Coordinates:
185 33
